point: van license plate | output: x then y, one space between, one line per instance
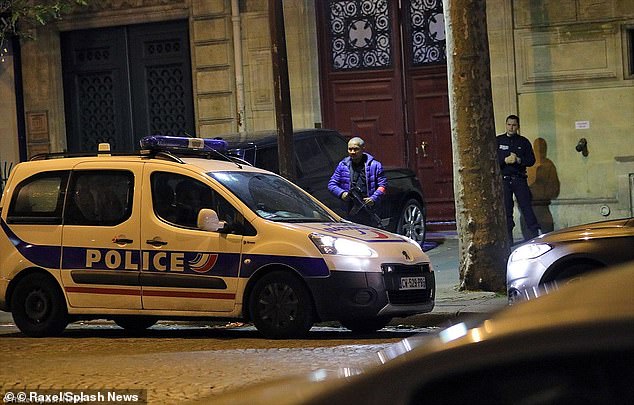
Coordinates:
413 283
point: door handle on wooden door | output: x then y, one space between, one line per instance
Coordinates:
423 147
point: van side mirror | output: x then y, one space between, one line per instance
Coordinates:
208 220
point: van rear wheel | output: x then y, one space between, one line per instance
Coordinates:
38 306
280 306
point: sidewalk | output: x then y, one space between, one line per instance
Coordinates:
451 303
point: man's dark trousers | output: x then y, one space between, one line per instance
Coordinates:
519 186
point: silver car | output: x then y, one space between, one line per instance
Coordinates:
559 257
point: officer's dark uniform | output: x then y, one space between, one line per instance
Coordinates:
515 180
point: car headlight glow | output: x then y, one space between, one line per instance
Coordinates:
330 245
529 251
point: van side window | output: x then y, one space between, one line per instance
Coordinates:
177 199
39 199
99 197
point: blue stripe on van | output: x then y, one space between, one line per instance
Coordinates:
306 266
225 264
41 255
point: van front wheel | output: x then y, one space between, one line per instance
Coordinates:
280 306
38 306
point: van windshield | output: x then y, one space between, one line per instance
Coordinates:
273 197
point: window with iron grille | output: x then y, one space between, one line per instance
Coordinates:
360 34
426 22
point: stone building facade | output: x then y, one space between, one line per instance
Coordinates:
566 68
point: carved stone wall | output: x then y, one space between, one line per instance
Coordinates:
9 148
43 93
212 63
566 72
301 45
502 57
41 62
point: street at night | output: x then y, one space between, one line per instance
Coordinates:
178 361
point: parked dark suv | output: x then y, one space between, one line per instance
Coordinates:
317 152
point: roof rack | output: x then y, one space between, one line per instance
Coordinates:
170 148
59 155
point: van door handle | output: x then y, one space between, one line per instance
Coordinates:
122 241
156 242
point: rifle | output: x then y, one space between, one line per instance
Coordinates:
359 204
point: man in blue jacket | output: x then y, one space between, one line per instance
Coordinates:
362 174
515 154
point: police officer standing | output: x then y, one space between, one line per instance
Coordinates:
515 154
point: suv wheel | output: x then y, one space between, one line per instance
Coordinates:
280 306
411 222
38 306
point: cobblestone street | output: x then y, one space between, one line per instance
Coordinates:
178 362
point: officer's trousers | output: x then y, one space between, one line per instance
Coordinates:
518 186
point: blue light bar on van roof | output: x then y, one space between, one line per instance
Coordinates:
167 143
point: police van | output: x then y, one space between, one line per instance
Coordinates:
179 230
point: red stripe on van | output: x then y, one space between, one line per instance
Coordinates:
189 294
94 290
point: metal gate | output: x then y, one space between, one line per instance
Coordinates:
123 83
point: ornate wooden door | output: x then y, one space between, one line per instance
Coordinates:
384 78
362 76
123 83
428 124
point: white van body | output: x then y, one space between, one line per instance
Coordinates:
158 235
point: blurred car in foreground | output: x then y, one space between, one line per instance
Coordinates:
573 346
561 256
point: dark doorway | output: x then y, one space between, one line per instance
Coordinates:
384 78
122 83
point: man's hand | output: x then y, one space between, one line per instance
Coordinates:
510 159
368 201
345 196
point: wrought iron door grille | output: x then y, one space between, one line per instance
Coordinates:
360 34
427 32
96 110
167 110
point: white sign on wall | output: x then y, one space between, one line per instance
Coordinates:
582 124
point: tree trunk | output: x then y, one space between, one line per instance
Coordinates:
481 222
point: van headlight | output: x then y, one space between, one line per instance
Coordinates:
530 251
330 245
